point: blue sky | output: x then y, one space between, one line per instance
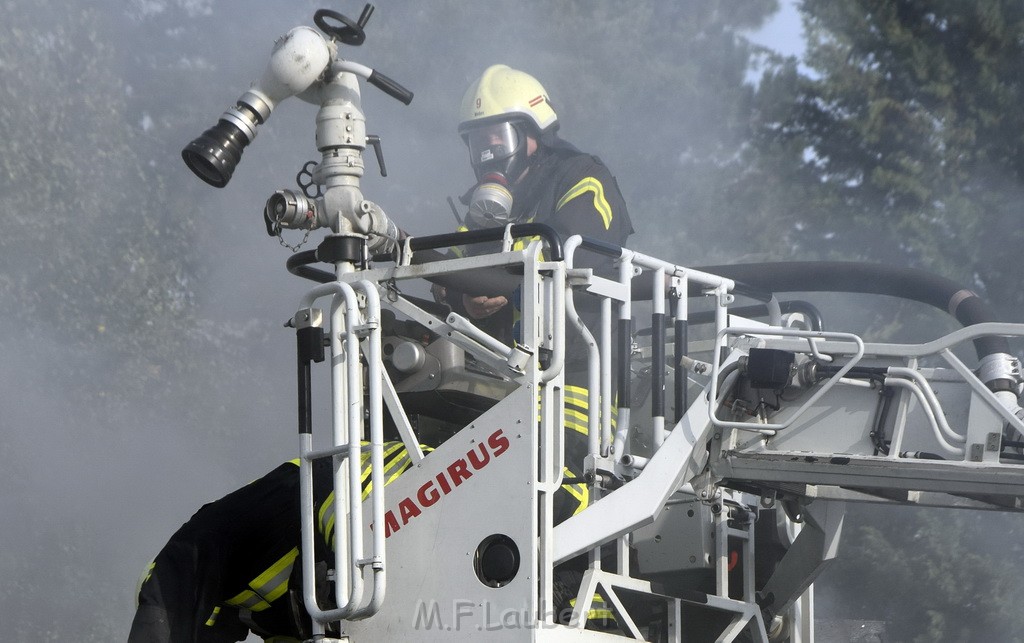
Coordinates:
783 33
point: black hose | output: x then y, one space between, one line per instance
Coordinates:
874 279
299 265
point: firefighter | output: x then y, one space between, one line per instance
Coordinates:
235 566
525 173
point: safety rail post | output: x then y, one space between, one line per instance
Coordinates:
658 360
681 342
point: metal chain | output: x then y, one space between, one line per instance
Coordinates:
284 243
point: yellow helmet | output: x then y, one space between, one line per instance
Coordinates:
501 94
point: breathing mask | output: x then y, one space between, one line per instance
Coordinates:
498 153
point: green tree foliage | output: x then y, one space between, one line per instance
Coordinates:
901 139
948 575
908 119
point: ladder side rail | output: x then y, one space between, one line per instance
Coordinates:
554 320
542 309
599 398
347 409
374 391
607 432
346 381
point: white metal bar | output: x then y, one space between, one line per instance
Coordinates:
784 332
929 395
927 410
398 415
556 315
606 394
466 327
347 363
347 424
375 374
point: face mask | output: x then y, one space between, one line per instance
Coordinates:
498 153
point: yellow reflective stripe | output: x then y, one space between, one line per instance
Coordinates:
396 468
249 600
579 428
577 407
396 462
520 244
327 517
326 514
573 414
579 491
590 184
597 608
576 421
460 251
295 461
213 617
577 396
268 586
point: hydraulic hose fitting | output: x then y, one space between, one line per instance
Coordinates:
291 210
1001 372
807 374
382 233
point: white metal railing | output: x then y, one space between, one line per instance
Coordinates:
770 428
347 324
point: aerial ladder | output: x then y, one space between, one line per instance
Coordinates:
727 428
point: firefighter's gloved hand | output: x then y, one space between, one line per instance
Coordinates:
483 306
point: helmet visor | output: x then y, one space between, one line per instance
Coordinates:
492 142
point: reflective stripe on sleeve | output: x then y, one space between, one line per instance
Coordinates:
268 586
396 462
577 490
210 622
590 184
